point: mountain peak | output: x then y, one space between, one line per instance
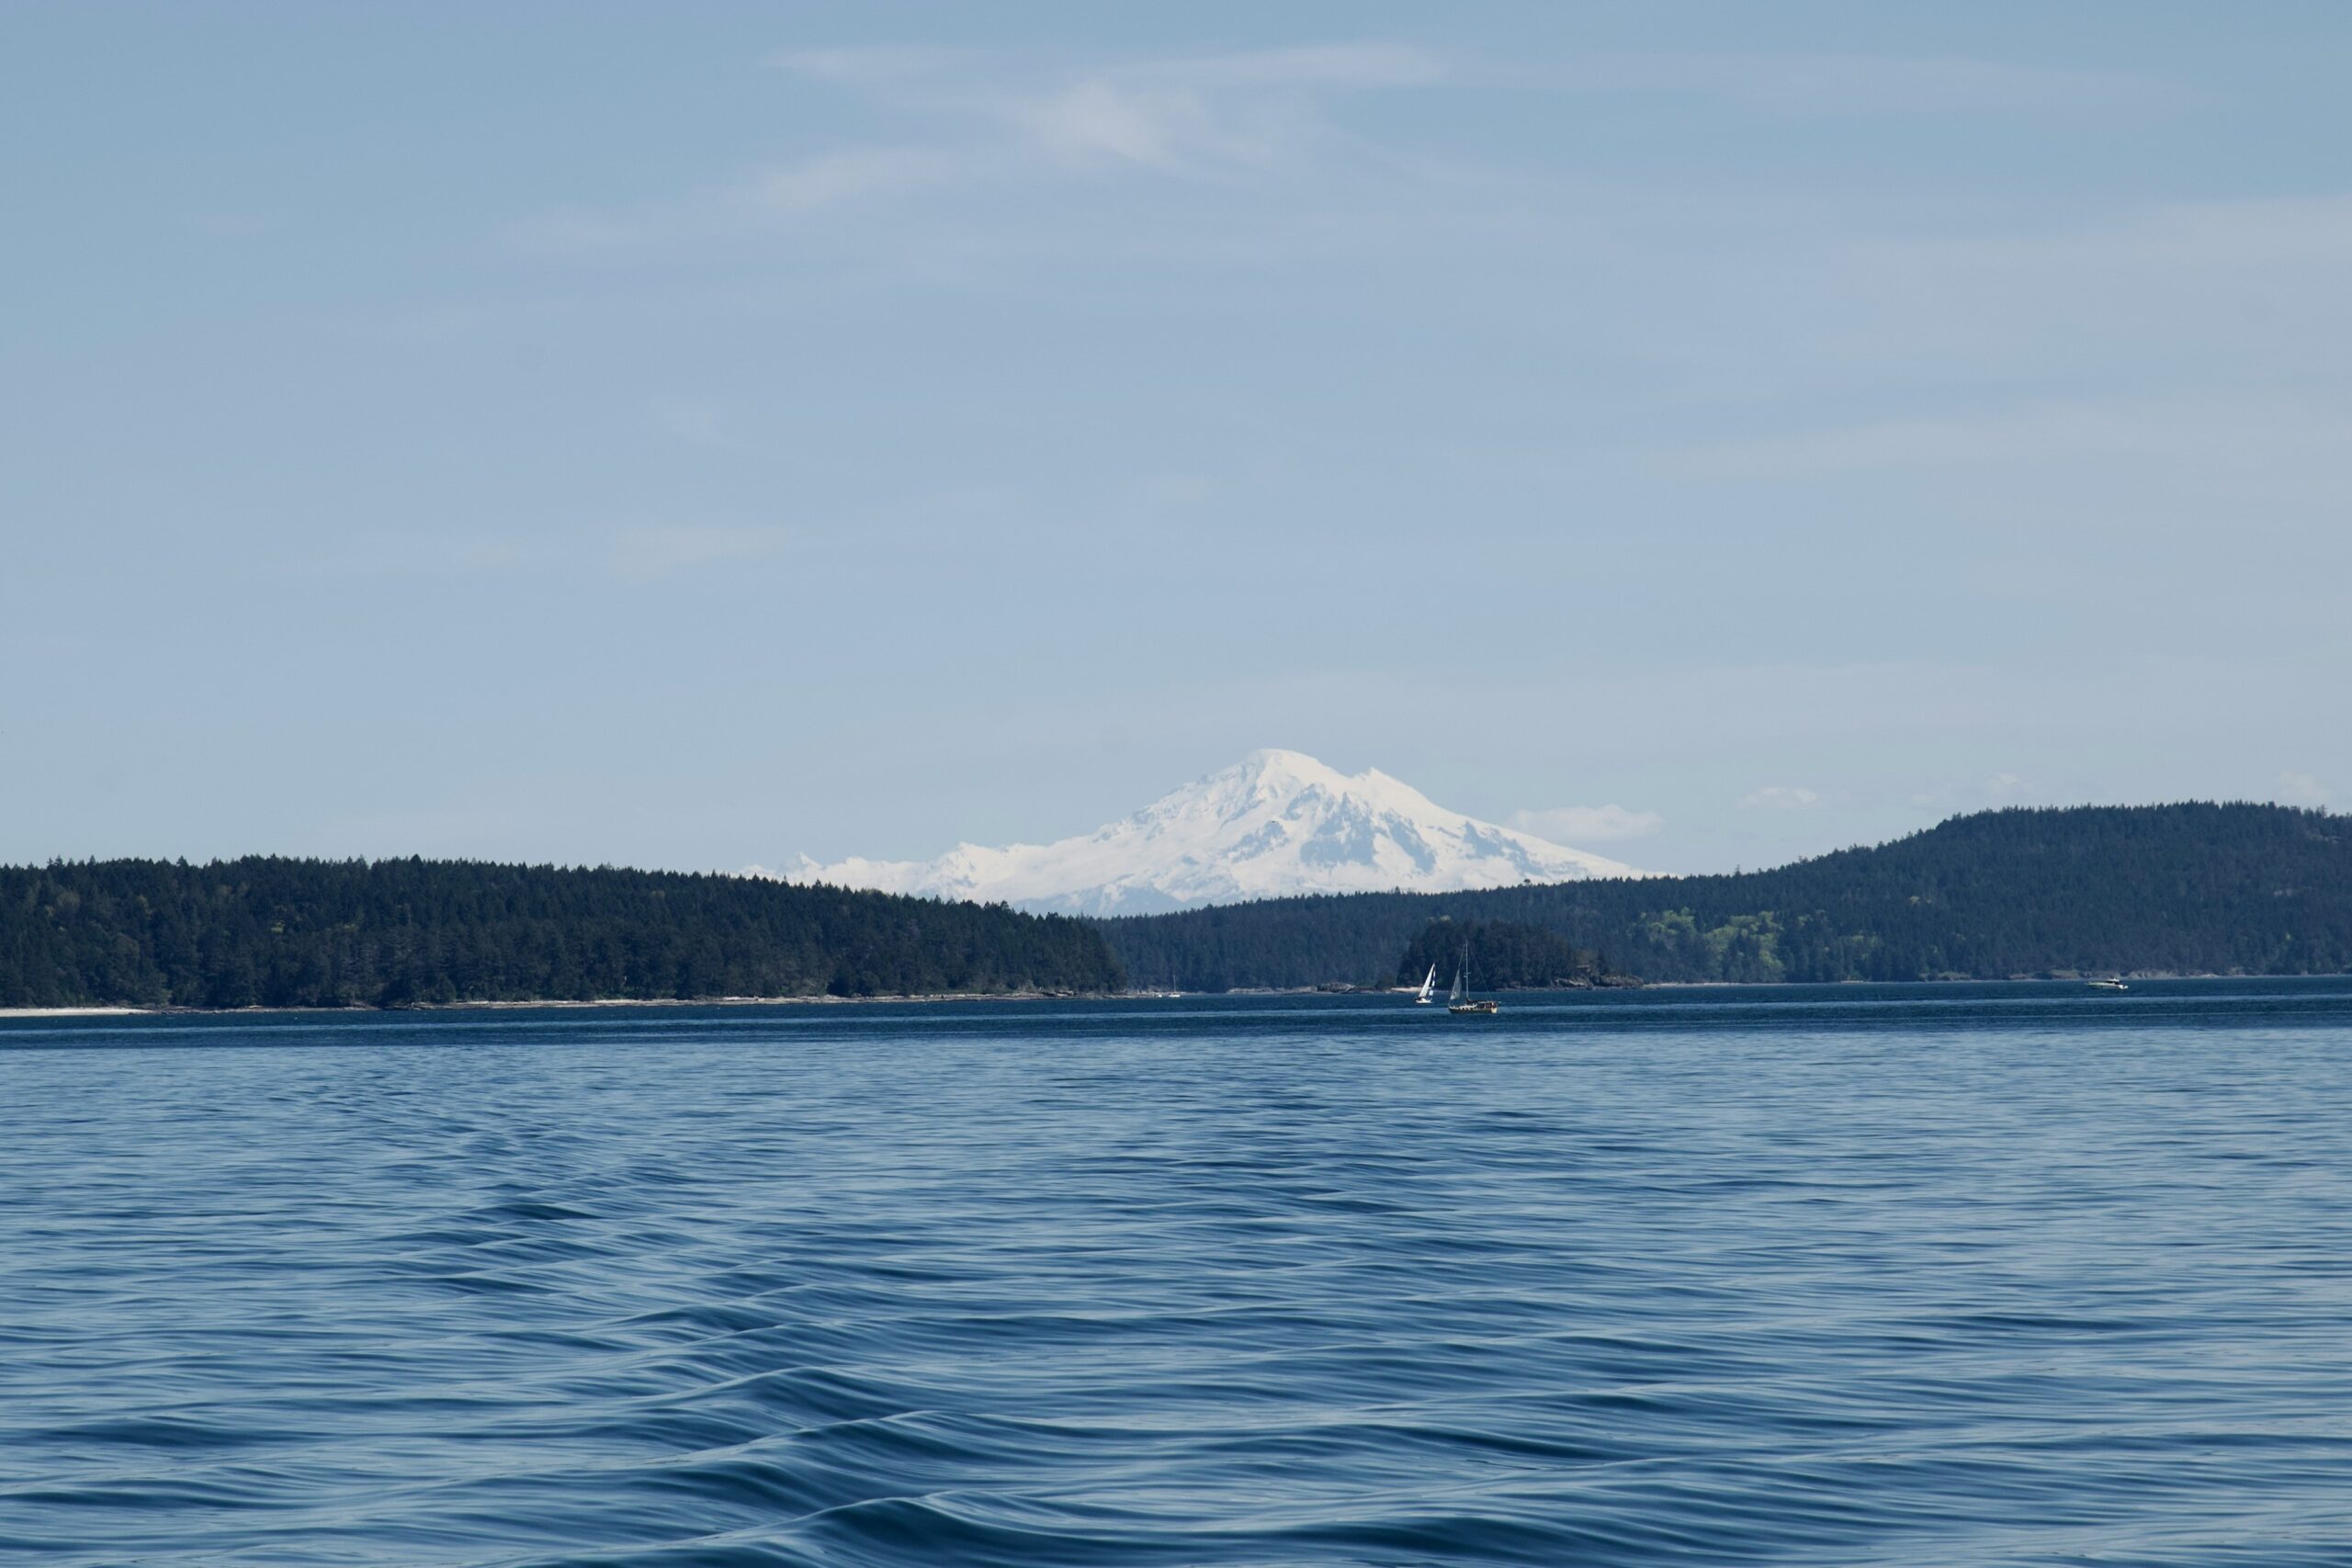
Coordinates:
1276 824
1274 767
1274 760
1295 770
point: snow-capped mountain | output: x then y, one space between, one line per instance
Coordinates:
1275 825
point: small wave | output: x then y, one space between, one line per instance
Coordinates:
1897 1276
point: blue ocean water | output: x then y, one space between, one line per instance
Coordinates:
1888 1275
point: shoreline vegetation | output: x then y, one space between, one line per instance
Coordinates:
276 932
2139 891
1620 982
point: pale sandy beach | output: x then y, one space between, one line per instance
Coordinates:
569 1002
67 1012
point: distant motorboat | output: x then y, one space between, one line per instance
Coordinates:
1458 999
2112 983
1428 993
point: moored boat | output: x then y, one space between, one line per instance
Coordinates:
1458 1000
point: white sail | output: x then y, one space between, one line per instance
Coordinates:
1459 1001
1428 984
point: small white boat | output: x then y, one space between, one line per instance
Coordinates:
1428 993
2114 984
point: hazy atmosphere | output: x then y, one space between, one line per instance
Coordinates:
689 438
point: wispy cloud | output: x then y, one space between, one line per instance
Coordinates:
1190 113
2247 434
647 554
985 125
845 174
1338 65
2301 789
1870 83
1330 64
795 188
1100 121
1975 795
1781 798
1588 824
869 66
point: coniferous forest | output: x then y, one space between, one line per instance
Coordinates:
2194 888
1502 957
2183 889
278 932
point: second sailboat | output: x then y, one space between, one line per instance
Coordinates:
1458 999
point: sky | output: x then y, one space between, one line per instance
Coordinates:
691 435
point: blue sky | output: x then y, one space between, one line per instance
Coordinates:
691 435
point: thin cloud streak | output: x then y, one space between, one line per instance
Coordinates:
1779 798
2297 788
1864 85
1574 825
1173 116
2243 430
645 555
847 174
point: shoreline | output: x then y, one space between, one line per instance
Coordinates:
74 1012
566 1002
573 1004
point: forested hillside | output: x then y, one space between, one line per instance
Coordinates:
2191 888
1502 957
282 933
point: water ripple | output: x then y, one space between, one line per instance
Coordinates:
1886 1275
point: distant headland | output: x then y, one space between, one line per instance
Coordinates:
267 931
2194 888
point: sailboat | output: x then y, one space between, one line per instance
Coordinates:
1426 995
1457 1000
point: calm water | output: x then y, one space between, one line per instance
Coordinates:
2004 1274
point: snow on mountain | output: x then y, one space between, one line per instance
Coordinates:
1275 825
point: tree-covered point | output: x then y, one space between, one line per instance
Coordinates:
1502 956
2194 888
276 932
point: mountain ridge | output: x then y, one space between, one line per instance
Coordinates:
1276 824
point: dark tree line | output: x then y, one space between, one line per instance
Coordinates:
1502 956
2194 888
278 932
